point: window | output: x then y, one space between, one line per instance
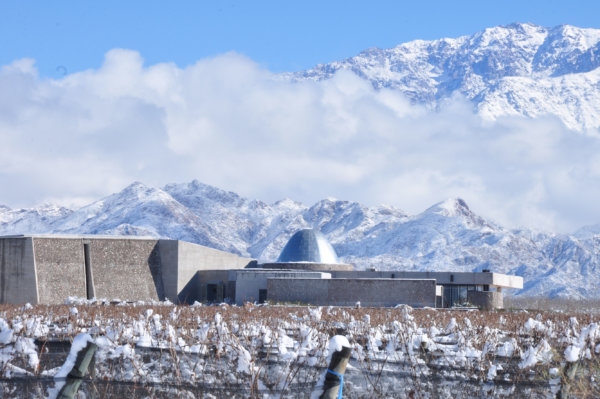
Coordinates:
455 295
211 292
262 296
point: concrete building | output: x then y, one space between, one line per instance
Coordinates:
238 286
339 284
48 269
481 289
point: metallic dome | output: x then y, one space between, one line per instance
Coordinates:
308 245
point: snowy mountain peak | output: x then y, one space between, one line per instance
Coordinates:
517 69
288 203
515 34
450 208
195 189
137 190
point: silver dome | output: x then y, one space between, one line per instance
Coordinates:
308 245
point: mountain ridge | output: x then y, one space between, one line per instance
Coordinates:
446 236
517 69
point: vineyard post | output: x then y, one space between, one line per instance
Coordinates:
334 378
80 368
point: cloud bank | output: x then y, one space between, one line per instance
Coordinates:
226 121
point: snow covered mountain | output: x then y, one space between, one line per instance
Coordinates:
519 69
446 236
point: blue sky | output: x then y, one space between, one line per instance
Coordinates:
70 36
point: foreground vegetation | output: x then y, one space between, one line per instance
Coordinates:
276 350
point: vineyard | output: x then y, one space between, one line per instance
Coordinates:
162 350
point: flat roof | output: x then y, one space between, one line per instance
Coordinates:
253 270
89 236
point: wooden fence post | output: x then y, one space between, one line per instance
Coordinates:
334 378
80 368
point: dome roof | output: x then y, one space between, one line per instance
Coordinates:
308 245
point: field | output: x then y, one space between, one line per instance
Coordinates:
161 350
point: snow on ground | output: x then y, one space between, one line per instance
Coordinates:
285 350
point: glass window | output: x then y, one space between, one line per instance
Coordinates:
455 295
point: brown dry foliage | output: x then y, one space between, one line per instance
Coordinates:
187 317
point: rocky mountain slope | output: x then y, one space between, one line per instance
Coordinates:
519 69
446 236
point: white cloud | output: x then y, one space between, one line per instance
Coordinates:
227 122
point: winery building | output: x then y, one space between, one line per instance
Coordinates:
50 268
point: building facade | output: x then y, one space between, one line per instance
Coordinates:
335 283
50 268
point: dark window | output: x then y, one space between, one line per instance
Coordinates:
262 296
211 292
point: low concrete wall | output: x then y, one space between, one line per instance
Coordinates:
346 292
312 266
248 282
486 300
305 291
18 280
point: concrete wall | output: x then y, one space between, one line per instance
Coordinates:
168 252
127 269
196 288
181 260
249 282
506 280
304 291
486 300
442 278
312 266
60 269
18 280
346 292
48 269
